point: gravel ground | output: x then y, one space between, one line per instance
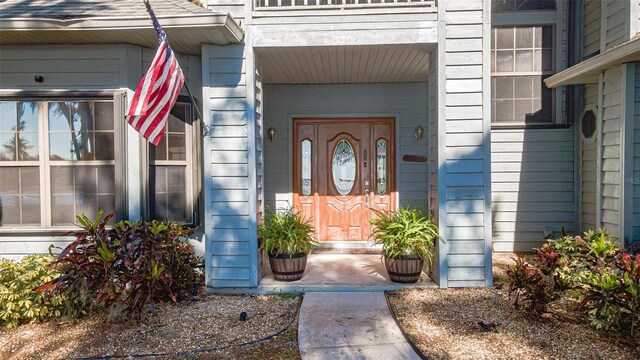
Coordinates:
209 323
444 325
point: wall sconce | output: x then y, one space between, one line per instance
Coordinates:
272 133
418 133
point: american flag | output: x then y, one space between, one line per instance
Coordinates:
158 90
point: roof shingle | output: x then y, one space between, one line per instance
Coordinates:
78 9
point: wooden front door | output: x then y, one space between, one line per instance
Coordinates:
342 169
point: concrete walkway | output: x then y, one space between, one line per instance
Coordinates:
348 325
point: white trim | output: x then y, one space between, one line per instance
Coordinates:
443 248
121 23
603 27
627 125
586 71
206 220
486 115
599 154
250 113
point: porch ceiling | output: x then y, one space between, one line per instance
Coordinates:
345 64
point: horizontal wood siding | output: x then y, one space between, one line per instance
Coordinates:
591 27
235 8
466 139
589 165
610 175
615 20
62 66
345 27
227 185
406 101
17 246
532 186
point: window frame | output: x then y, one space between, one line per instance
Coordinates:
553 18
193 162
44 163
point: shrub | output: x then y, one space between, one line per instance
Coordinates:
612 295
128 268
286 232
406 231
19 303
528 282
592 269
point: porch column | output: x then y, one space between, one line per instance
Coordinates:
464 153
230 185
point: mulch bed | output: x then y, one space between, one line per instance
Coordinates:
210 323
443 324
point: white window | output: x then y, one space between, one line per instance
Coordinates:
58 158
523 54
173 170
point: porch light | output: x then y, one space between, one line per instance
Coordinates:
418 133
272 133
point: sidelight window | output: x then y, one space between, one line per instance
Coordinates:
381 167
306 167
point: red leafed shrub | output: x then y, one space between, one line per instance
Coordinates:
529 285
128 268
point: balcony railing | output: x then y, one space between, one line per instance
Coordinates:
331 4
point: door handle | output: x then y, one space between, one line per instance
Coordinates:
366 193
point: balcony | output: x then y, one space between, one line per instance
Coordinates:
337 4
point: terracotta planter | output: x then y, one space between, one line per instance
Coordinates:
406 269
286 267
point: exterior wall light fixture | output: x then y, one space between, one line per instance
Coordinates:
418 133
272 133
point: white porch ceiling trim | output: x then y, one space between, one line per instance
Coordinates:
587 71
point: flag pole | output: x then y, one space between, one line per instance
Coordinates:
191 98
193 101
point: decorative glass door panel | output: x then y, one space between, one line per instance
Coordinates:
342 169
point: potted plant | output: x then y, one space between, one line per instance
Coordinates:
408 238
287 237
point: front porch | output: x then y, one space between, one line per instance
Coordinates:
336 271
406 117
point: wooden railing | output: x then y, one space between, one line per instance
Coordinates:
306 4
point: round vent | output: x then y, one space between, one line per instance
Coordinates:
588 124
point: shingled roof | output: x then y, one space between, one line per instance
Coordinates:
30 22
80 9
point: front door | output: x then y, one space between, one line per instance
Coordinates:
342 169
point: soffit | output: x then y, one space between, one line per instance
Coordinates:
345 64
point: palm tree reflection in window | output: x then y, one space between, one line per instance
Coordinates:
19 131
71 130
